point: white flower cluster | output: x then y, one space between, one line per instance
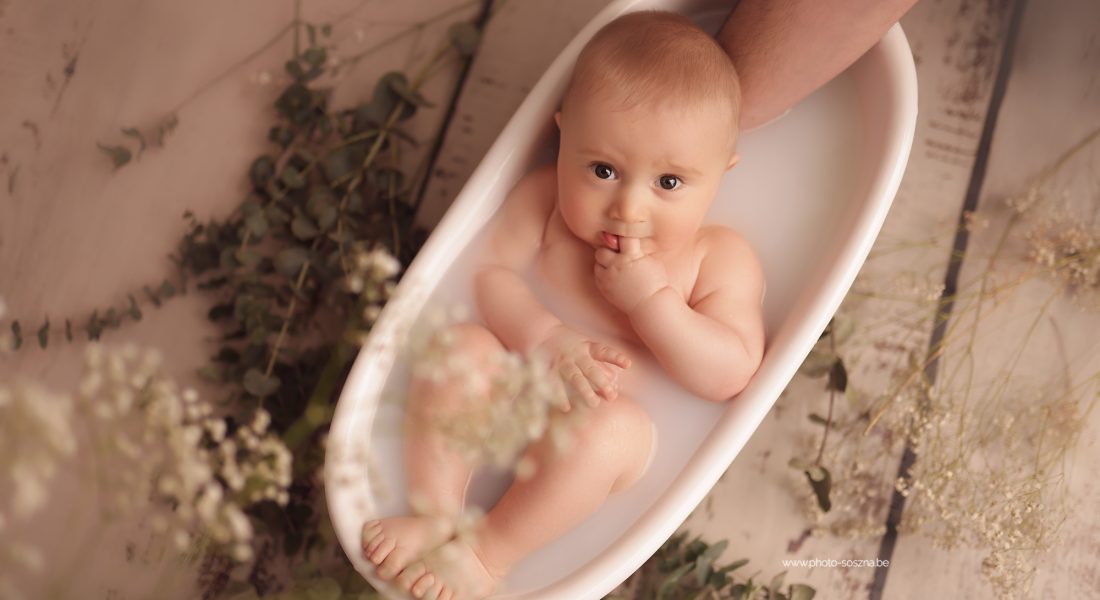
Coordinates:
521 393
156 450
371 276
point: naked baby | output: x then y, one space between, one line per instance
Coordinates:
615 231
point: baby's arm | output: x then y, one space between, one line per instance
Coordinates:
513 313
713 342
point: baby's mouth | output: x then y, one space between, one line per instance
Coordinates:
611 240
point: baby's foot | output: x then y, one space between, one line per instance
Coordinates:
392 543
453 571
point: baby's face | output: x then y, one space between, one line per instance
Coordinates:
643 172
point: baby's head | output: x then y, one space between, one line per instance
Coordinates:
648 127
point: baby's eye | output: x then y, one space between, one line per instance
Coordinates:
669 182
603 171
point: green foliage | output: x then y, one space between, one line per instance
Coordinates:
683 570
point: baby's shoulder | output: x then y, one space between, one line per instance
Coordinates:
726 258
721 243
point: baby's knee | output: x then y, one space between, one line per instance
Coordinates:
626 435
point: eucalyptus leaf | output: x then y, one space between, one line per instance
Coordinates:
293 178
400 86
135 311
776 585
303 228
704 565
68 330
315 56
289 261
260 385
167 126
120 155
249 259
801 591
262 170
326 30
465 38
818 419
821 488
838 377
669 583
817 363
256 223
134 133
44 334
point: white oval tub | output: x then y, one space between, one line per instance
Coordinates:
810 193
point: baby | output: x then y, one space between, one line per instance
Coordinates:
648 127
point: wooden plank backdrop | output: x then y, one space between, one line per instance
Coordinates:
75 235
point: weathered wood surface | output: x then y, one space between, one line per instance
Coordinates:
74 235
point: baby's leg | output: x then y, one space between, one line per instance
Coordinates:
436 475
610 451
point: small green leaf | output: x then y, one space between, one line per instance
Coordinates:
400 86
465 38
249 259
776 585
260 385
818 419
261 171
134 133
210 373
153 297
801 591
821 487
838 377
326 30
315 56
44 333
293 178
68 330
256 223
167 126
17 335
817 363
94 327
167 290
135 311
120 155
670 582
303 228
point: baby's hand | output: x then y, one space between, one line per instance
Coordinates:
584 365
628 277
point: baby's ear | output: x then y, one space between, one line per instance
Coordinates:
733 161
557 118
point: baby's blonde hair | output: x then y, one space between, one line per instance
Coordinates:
653 56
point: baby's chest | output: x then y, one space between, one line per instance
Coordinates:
566 280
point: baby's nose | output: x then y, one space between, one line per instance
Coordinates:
628 208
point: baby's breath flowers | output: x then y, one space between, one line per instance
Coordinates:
510 399
155 450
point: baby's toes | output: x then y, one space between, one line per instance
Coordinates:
394 563
434 591
422 585
410 575
382 550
